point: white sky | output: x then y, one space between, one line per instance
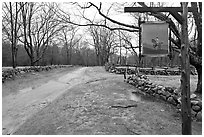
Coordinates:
92 13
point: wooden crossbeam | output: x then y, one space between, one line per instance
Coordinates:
131 47
155 9
172 10
177 16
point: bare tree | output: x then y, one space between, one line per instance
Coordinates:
104 41
69 39
66 18
107 23
39 26
11 26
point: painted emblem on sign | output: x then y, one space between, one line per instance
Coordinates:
157 43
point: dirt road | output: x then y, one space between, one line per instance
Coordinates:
87 101
16 108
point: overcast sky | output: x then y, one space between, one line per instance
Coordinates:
116 13
92 14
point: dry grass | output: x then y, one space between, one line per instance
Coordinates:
173 81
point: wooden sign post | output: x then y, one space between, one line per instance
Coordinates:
185 75
184 56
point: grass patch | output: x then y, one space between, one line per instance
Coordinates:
173 81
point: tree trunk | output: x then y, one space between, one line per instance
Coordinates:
106 60
67 57
199 84
97 59
38 62
70 56
14 61
14 56
32 63
13 40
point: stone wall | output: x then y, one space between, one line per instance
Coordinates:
11 73
168 94
118 70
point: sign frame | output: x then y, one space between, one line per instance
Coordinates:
159 43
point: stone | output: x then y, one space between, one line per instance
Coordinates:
140 83
147 83
193 113
157 95
196 108
179 100
178 110
159 91
176 91
200 104
199 116
153 86
194 102
140 88
163 97
171 100
178 106
132 82
166 93
160 87
169 89
193 96
146 89
175 97
155 90
147 86
150 92
144 76
150 83
136 85
135 80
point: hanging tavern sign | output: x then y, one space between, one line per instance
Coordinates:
185 75
154 39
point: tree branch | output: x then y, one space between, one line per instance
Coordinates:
111 20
